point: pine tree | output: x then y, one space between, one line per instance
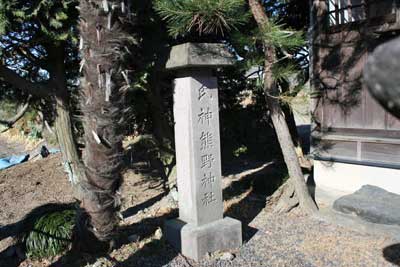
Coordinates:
38 57
268 43
271 89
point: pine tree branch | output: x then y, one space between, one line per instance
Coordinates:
41 89
32 58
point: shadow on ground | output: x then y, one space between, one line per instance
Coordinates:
13 256
256 188
129 212
392 254
247 198
144 229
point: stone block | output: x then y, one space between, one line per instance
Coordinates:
196 241
198 155
201 227
372 204
196 55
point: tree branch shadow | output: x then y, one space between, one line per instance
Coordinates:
129 212
256 187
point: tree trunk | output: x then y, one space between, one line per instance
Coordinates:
104 50
63 124
71 158
291 122
278 118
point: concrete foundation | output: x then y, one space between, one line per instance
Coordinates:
196 241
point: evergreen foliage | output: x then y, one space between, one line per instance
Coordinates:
35 35
54 19
202 16
31 28
279 36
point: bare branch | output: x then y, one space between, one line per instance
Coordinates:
10 122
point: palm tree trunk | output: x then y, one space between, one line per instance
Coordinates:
104 81
278 118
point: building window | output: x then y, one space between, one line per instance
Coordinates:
346 11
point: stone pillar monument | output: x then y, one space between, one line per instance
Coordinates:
201 227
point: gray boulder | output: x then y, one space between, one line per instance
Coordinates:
381 74
372 204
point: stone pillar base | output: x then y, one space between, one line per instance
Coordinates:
196 241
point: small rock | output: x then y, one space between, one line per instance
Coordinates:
133 238
174 195
158 234
227 256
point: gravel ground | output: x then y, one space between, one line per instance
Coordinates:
270 240
286 240
295 240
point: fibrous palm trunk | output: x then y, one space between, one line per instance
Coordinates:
104 49
297 187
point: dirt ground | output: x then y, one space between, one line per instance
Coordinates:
269 240
8 148
30 185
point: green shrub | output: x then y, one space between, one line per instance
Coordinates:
51 235
242 150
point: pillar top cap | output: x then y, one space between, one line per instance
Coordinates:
199 55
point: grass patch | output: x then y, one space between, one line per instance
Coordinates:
51 235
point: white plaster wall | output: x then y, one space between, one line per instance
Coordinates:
341 178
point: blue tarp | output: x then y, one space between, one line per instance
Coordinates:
13 160
54 150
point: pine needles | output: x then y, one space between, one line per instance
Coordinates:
57 18
279 36
202 16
